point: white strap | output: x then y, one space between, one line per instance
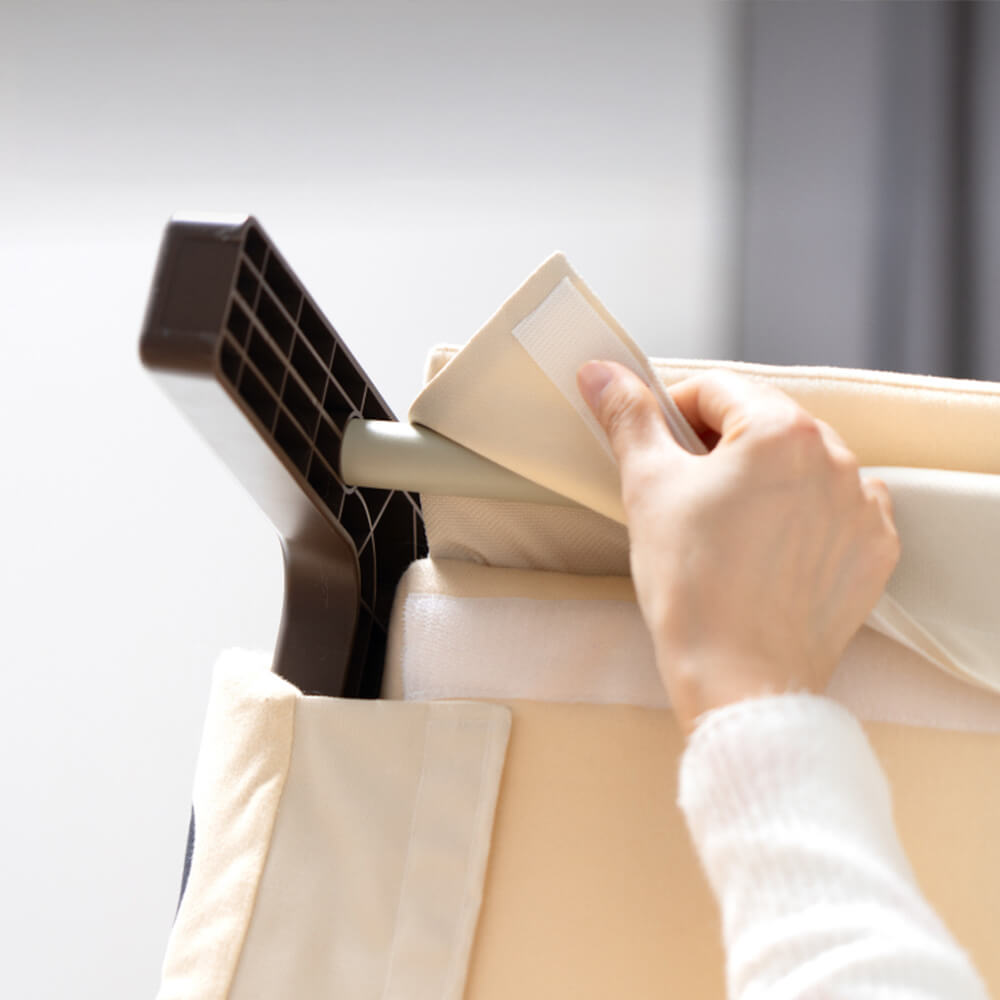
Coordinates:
565 332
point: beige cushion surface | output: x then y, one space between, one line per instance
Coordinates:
460 630
593 889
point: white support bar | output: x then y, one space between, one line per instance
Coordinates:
398 456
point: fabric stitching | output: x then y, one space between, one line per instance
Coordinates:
429 721
252 907
451 979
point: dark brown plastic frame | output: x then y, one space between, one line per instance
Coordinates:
244 351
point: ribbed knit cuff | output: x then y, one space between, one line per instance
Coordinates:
794 768
790 813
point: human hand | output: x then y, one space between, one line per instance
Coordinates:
755 564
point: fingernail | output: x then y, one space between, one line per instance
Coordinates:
592 378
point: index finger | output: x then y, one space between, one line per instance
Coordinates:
721 402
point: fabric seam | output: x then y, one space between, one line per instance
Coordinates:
391 964
252 907
452 979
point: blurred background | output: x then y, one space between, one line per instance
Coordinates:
796 183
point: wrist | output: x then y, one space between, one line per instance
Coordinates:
702 684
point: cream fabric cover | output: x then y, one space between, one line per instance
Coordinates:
592 888
461 630
510 396
340 845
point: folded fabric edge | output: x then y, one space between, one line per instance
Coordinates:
257 726
239 779
672 370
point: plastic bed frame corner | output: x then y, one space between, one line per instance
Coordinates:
243 350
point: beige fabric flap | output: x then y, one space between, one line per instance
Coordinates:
340 845
245 751
494 398
374 876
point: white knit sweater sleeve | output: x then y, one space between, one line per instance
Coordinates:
791 816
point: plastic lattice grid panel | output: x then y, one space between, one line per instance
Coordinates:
288 365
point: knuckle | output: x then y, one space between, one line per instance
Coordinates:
890 550
880 495
802 430
895 543
640 483
890 532
793 423
883 527
846 467
832 435
790 431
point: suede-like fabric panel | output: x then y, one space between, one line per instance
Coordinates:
593 889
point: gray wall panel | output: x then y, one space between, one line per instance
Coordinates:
811 181
870 211
986 174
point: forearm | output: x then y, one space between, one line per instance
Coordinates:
791 815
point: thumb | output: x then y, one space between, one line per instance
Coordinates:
626 410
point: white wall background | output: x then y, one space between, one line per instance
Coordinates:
414 161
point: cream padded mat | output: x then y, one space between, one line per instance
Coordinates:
593 889
464 631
